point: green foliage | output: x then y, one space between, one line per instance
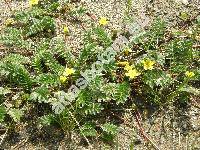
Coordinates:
14 37
180 50
110 128
17 74
157 78
35 71
191 90
15 114
98 36
109 131
88 130
46 120
87 54
118 92
46 23
2 113
87 104
16 58
40 94
150 38
47 79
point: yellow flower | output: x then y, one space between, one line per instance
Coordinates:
148 64
33 2
127 51
132 73
189 74
128 67
68 71
123 63
63 79
9 21
103 21
66 30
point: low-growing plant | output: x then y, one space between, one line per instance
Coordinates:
153 69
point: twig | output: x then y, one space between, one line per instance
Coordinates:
141 129
79 128
179 140
196 106
91 16
143 132
18 145
82 25
3 137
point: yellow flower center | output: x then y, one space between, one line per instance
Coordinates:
63 79
132 73
103 21
68 71
148 64
189 74
128 67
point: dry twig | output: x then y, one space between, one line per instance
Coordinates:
3 137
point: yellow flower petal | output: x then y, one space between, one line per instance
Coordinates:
66 30
103 21
68 71
63 79
9 21
128 67
189 74
33 2
132 73
148 64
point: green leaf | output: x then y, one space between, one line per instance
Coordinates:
157 78
178 68
16 58
121 93
2 113
93 108
16 114
41 94
87 53
110 128
40 25
18 74
14 38
47 79
59 47
46 120
118 92
180 52
191 90
88 129
102 36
